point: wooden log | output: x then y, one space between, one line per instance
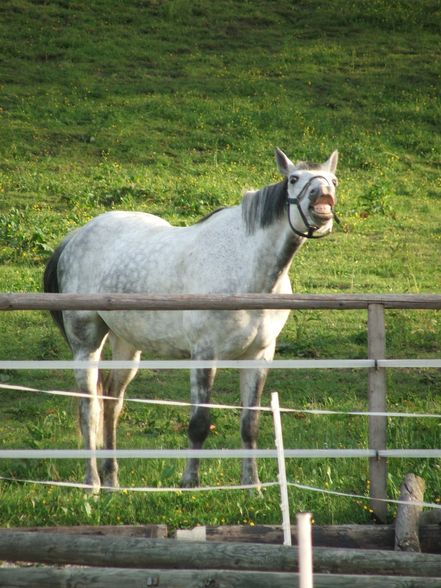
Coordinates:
169 553
349 536
146 531
429 518
110 301
408 515
377 403
135 578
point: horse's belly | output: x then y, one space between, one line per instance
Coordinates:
204 334
155 333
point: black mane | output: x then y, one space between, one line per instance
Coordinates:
210 214
262 208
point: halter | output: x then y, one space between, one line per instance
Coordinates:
297 200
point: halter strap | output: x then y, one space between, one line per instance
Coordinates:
310 228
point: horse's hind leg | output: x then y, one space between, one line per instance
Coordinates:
86 334
199 427
116 385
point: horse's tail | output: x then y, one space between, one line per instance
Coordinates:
50 281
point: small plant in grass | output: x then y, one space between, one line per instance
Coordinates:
377 199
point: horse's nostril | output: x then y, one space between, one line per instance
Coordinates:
319 192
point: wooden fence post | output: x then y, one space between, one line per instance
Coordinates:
407 523
377 403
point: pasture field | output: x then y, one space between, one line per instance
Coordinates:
175 107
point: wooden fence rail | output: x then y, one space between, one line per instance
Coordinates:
30 301
375 304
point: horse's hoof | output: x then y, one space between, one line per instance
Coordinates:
257 490
93 483
189 482
109 475
110 483
92 489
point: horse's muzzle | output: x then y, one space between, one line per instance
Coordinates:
322 208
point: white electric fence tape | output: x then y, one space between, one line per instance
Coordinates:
216 453
234 364
186 364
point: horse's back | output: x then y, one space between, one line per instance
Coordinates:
123 252
110 243
116 229
139 252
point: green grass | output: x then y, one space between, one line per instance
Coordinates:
175 107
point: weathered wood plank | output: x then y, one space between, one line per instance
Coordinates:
169 553
408 515
349 536
340 536
377 403
146 531
37 301
115 578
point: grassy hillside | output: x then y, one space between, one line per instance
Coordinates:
175 107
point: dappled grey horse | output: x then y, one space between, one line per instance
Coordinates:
246 248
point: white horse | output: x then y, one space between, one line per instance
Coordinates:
246 248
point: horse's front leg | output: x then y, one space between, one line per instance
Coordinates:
199 427
252 382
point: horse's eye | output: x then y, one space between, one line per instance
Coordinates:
334 181
293 179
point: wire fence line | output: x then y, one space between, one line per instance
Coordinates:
220 487
236 407
197 489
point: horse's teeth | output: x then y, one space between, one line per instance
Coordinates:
322 208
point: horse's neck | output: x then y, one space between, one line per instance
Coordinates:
273 249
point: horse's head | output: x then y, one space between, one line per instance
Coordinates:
311 194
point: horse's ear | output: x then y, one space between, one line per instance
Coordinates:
283 162
331 164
